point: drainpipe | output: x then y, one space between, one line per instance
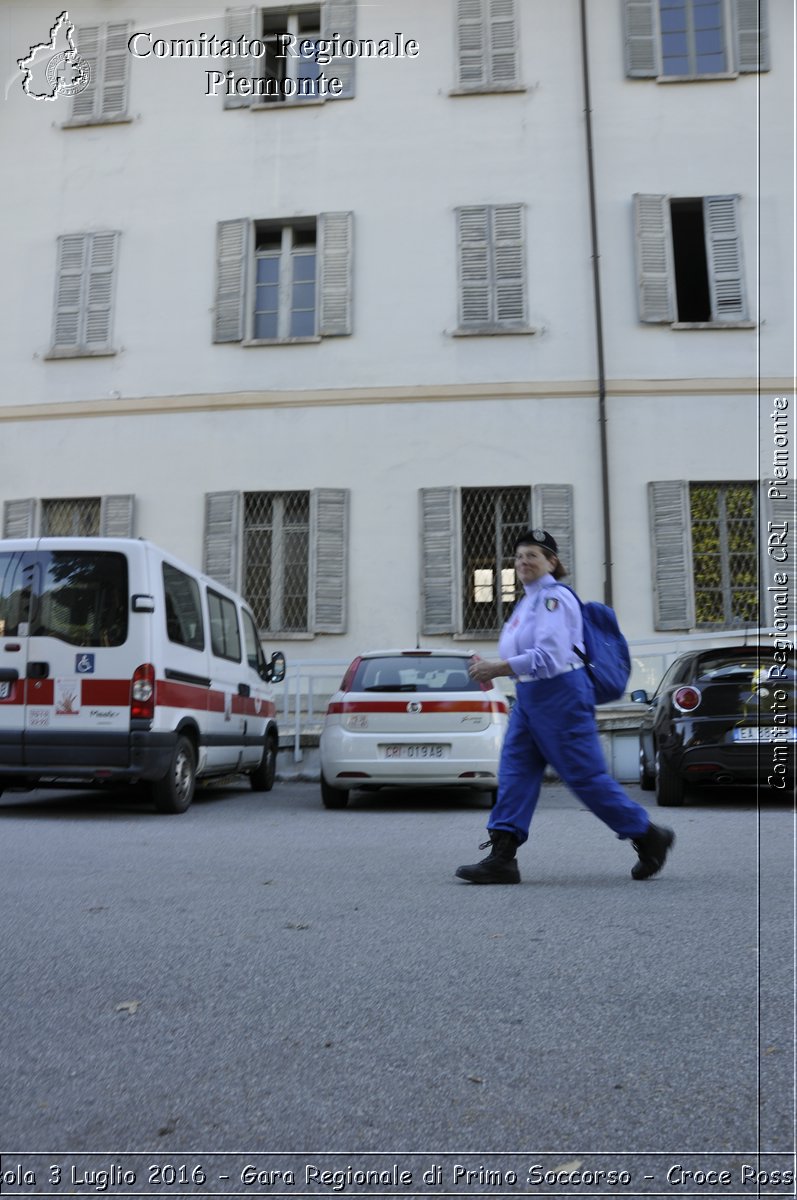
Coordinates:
596 287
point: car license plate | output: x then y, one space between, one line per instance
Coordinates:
5 690
428 751
764 733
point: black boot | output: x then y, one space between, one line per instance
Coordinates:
652 847
499 866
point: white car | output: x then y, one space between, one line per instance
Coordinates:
411 718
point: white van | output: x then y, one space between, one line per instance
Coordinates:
120 663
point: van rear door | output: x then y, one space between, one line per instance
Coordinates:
16 577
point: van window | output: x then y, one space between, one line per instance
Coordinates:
14 594
225 637
254 653
82 597
183 611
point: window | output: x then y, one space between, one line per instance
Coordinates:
279 281
487 46
288 78
492 269
82 598
286 552
254 651
84 294
689 257
183 610
695 39
708 556
88 516
467 551
105 49
225 636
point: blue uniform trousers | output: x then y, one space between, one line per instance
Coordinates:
553 721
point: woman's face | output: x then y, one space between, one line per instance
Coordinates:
531 563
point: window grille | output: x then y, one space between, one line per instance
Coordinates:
492 518
724 554
71 518
276 558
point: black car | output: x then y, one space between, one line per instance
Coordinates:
724 716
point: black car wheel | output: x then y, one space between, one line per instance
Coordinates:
333 797
647 779
174 793
669 785
262 778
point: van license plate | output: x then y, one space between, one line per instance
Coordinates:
414 751
5 690
765 733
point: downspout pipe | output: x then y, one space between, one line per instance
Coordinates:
596 287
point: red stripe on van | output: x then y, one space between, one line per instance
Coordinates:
112 693
400 706
115 693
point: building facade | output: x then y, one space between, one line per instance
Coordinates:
338 314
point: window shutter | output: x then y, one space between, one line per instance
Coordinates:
471 56
777 519
19 518
724 254
671 541
335 273
552 509
509 264
641 40
99 291
503 42
115 71
232 257
222 535
329 539
439 559
473 257
71 263
238 23
654 258
340 16
116 516
751 30
88 41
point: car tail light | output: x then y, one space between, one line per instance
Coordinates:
686 699
142 693
349 676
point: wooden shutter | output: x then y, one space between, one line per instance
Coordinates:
241 22
552 509
724 258
86 104
19 518
641 39
340 16
473 258
778 519
115 71
69 285
751 33
335 273
116 516
329 539
655 275
100 290
471 44
671 542
222 537
440 557
502 23
233 240
509 264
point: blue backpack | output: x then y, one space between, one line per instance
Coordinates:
607 658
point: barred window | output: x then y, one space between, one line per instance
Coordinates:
724 554
491 520
276 558
71 518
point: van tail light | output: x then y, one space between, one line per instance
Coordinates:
686 699
142 693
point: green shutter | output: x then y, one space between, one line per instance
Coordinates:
655 274
336 233
329 539
671 543
641 39
552 509
116 516
724 258
233 240
440 557
222 536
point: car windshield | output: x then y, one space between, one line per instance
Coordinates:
414 673
742 668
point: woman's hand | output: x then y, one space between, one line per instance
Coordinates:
485 669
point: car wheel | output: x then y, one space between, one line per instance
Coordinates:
647 779
669 786
262 778
333 797
174 793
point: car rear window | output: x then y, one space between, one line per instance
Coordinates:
82 597
740 668
410 673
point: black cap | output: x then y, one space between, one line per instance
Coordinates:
537 537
